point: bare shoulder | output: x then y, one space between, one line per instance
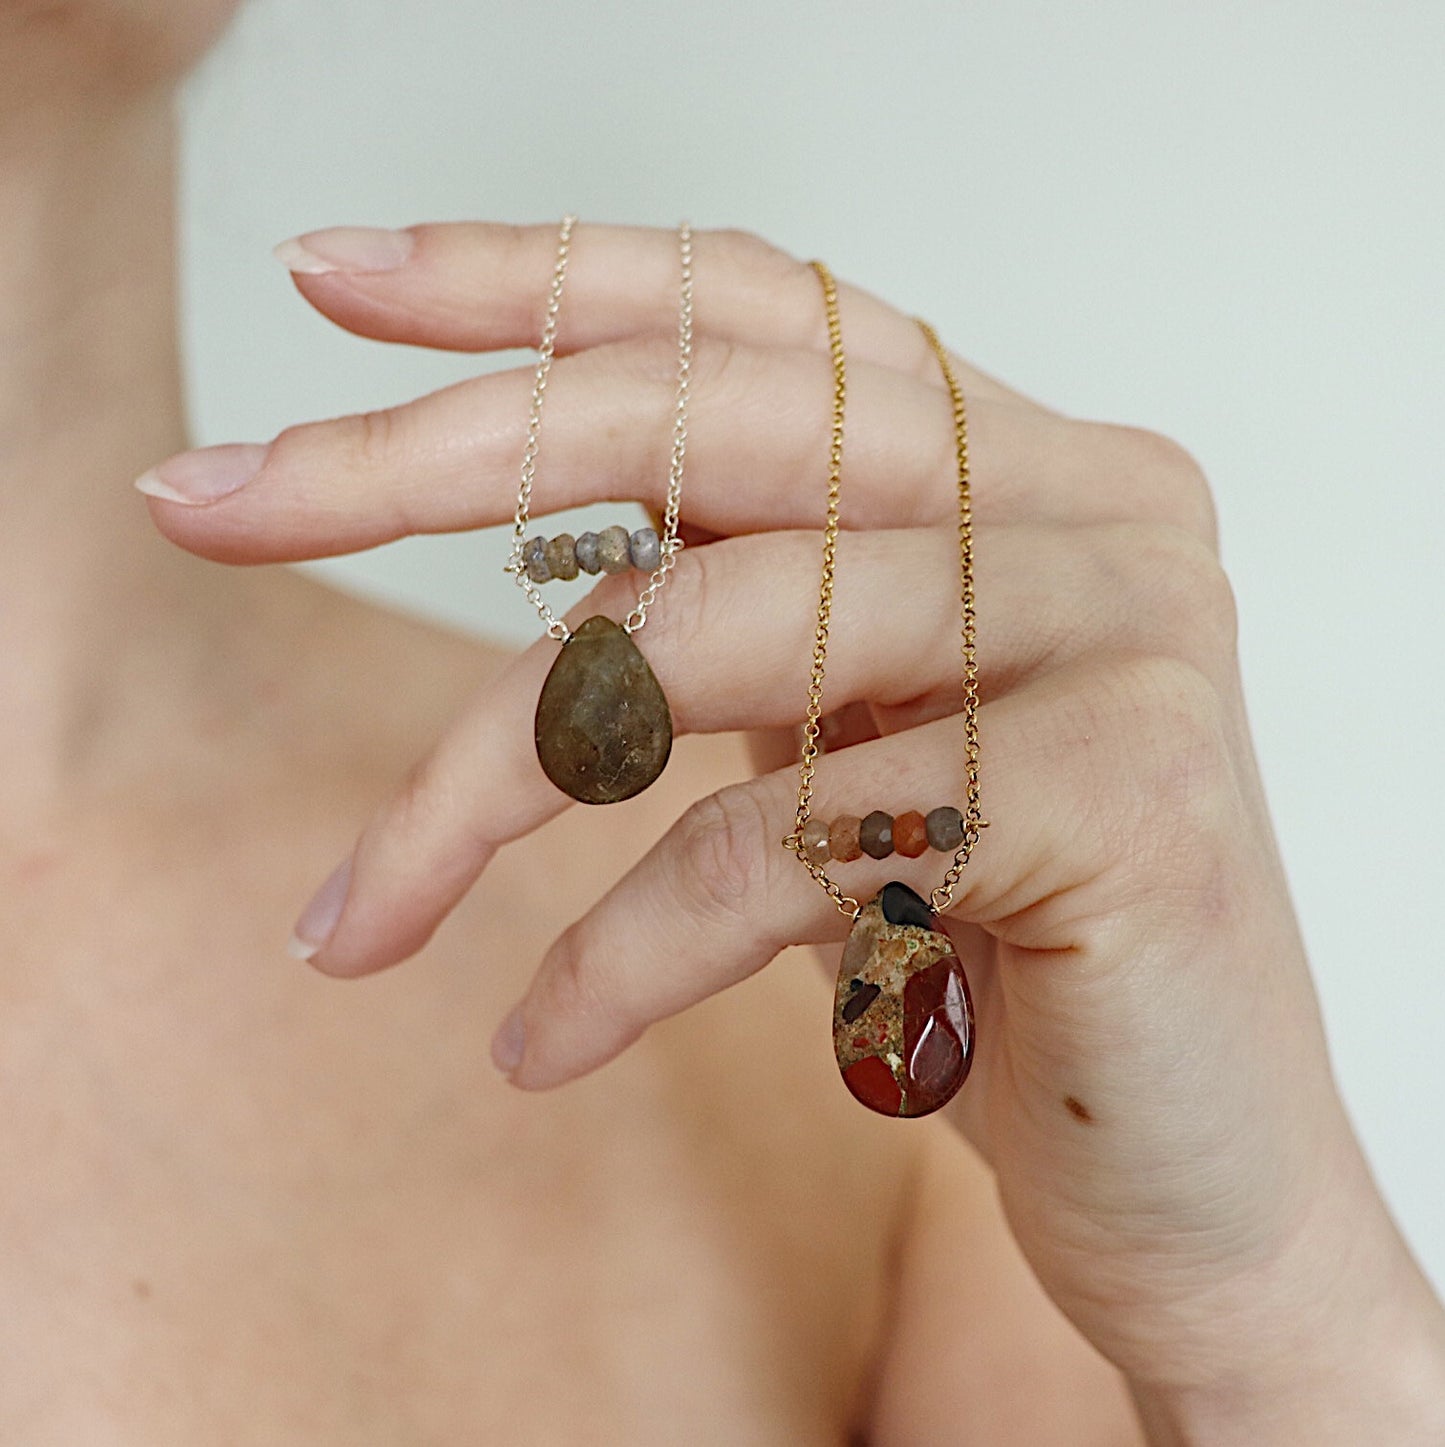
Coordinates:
979 1356
396 677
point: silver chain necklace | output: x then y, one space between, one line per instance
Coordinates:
603 726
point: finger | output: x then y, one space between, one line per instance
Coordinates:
482 287
1076 762
726 666
758 442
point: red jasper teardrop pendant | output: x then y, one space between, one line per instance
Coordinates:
902 1014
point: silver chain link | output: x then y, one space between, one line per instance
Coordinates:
669 543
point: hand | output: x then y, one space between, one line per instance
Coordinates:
1151 1083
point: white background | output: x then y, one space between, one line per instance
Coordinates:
1223 221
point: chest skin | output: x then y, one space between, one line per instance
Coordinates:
240 1202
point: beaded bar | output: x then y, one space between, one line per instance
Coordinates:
613 550
878 835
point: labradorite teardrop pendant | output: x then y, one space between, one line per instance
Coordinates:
603 727
604 730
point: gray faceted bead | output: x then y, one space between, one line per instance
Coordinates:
646 550
588 550
945 829
875 834
612 548
534 559
562 557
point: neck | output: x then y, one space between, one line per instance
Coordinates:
91 596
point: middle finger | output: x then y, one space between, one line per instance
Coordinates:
757 457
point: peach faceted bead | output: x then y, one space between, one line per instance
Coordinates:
910 834
815 841
843 841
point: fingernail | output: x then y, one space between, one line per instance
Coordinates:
204 475
509 1042
318 920
345 248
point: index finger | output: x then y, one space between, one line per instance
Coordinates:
478 286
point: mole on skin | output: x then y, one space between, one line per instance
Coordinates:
1077 1109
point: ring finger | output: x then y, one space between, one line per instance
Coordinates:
1121 589
1061 746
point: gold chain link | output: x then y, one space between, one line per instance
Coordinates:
973 820
846 903
941 897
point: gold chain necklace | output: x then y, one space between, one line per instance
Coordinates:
603 727
903 1030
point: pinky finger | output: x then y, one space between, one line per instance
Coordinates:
709 905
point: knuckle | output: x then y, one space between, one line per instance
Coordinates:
412 813
711 599
722 365
1208 596
310 456
649 358
416 796
778 276
729 371
678 625
371 437
688 616
1177 480
290 446
755 255
577 984
1164 456
922 363
722 852
942 451
1178 591
1173 738
429 806
517 246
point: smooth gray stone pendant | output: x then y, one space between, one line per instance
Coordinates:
604 729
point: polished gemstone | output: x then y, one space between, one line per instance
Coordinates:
937 1033
945 829
603 727
815 841
534 560
902 1019
859 1001
872 1082
589 552
646 549
900 905
614 549
910 834
843 841
875 835
562 556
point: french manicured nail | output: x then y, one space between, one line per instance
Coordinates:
509 1042
204 475
318 919
345 248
